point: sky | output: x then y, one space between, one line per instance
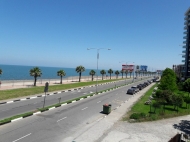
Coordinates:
57 33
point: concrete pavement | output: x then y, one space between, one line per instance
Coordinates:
111 129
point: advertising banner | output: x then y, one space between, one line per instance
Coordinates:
128 67
143 68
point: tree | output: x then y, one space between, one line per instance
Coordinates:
102 73
61 73
35 72
177 101
1 72
122 71
116 73
136 73
92 73
126 72
130 73
80 69
168 80
186 85
110 71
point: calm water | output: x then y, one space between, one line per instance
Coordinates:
17 72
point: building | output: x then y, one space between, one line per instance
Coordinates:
186 46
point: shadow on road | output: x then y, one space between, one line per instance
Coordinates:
183 126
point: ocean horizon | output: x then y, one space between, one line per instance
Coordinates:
22 72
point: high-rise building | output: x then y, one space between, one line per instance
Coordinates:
186 46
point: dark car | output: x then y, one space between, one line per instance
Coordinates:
140 87
135 88
131 91
146 83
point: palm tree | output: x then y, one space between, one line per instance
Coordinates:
79 70
61 73
110 71
130 73
136 73
116 73
35 72
102 73
122 71
1 72
92 73
126 72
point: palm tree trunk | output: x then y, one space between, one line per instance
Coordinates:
79 76
35 79
122 75
61 80
92 78
110 75
102 76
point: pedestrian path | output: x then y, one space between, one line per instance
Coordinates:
109 128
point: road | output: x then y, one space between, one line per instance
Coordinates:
60 123
14 108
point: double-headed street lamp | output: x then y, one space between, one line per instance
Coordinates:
97 63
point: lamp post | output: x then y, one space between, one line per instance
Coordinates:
97 63
133 71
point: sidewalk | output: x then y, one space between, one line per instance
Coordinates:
110 129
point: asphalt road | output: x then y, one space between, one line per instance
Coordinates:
60 123
15 108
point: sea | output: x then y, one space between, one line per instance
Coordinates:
20 72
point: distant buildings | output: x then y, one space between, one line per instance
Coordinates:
186 46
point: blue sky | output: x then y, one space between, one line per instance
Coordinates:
57 33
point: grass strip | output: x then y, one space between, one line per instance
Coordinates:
140 108
21 92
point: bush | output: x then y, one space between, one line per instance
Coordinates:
143 115
135 116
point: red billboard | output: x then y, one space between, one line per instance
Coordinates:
128 67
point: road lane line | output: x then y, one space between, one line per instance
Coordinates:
84 108
61 119
22 137
99 102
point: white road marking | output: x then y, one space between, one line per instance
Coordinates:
84 108
23 99
22 137
33 97
61 119
35 102
9 102
99 102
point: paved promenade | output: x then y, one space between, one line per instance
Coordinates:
111 129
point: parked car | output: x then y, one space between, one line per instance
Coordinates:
146 83
131 91
140 87
135 88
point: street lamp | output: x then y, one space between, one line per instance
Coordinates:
97 63
133 71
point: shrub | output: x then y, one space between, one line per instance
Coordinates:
135 116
